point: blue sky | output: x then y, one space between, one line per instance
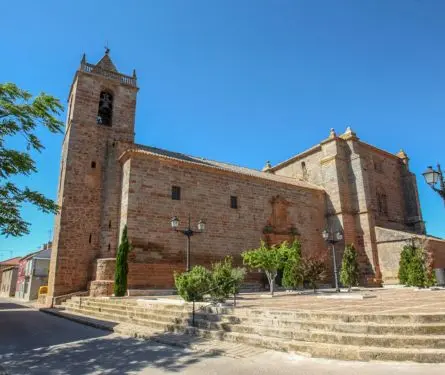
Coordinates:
243 81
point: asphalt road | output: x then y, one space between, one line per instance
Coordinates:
32 342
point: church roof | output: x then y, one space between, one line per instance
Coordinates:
158 152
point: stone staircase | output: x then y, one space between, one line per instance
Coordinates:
398 337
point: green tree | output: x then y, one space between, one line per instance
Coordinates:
406 256
415 267
192 285
349 268
120 275
268 259
292 275
22 115
313 270
226 279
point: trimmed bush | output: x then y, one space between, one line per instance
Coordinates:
120 275
414 267
226 280
193 284
349 268
313 270
292 275
405 259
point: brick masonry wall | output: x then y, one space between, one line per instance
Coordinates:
89 188
390 244
205 194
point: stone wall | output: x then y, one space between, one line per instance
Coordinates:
390 244
148 207
89 188
352 174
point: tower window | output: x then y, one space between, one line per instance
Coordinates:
109 247
105 109
233 202
304 170
93 164
176 193
89 240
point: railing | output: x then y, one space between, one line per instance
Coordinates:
122 78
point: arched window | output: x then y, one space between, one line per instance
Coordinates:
105 109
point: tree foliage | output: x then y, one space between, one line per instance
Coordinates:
414 267
349 273
225 279
292 275
192 285
22 115
120 275
268 259
313 269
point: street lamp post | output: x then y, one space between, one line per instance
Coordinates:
188 232
332 238
432 177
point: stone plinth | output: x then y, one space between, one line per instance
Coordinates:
105 268
100 288
103 285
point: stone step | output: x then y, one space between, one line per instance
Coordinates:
154 325
359 339
145 313
332 316
349 327
323 336
316 349
265 317
334 351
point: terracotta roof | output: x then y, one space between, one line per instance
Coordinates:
11 262
154 151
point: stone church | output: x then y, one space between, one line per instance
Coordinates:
108 181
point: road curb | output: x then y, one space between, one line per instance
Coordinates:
78 319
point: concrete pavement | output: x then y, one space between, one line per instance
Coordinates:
32 342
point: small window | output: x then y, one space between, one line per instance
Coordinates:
89 240
304 170
109 247
109 224
93 164
176 193
233 202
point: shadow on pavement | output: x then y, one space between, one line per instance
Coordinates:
111 355
10 306
32 342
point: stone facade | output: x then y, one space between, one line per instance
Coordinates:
389 244
107 181
366 187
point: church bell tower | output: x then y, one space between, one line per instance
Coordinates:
99 127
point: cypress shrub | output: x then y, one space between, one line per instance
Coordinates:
349 268
404 264
292 274
120 275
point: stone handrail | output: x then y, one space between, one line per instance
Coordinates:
122 78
